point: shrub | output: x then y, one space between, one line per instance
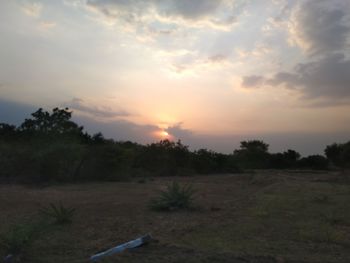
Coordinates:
59 161
173 198
17 238
61 214
339 154
163 158
316 162
252 155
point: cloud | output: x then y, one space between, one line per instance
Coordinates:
252 81
178 132
327 78
32 8
94 111
193 63
191 10
121 130
14 112
322 30
218 58
47 25
219 14
320 26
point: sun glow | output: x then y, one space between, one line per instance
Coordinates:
164 134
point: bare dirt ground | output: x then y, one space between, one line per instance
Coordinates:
263 216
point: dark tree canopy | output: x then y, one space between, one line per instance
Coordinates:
339 154
254 145
59 121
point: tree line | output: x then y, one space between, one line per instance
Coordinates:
49 146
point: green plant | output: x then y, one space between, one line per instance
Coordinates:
173 198
59 212
17 238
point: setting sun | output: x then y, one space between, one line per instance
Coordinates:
164 134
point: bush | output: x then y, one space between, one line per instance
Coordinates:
61 214
59 161
165 158
173 198
17 238
316 162
339 154
252 155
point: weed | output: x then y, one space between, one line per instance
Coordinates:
173 198
59 212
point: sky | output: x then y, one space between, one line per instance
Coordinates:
209 72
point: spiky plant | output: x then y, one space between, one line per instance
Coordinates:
60 213
173 198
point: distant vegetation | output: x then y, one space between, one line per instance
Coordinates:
50 147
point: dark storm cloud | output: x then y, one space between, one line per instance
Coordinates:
322 26
80 105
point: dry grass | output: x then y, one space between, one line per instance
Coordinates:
263 217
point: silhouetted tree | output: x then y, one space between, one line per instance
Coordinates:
339 154
317 162
7 130
254 146
284 160
252 154
163 158
57 122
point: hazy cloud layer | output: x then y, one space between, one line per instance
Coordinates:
120 130
94 111
15 113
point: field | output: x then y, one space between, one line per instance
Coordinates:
262 216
